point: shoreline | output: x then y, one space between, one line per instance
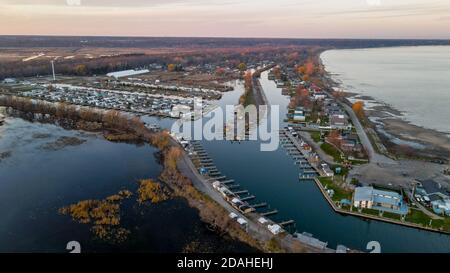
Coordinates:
210 211
401 138
372 217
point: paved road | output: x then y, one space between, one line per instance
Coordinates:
257 231
188 169
323 156
374 157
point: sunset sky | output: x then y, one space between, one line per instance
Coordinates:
229 18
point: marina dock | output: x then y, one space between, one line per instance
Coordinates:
308 166
239 198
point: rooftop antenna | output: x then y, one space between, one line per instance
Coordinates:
53 70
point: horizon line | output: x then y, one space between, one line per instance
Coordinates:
222 37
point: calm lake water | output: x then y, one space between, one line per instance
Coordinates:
30 196
35 181
413 80
273 178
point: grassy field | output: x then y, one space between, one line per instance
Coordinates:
339 193
315 136
332 151
415 216
418 217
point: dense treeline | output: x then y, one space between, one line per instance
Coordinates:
247 97
225 57
83 67
66 114
185 42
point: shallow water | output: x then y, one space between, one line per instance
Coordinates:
36 181
413 80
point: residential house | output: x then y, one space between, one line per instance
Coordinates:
299 114
319 95
339 122
327 170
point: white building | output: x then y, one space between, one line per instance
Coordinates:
9 81
327 170
275 229
180 111
127 73
370 198
363 197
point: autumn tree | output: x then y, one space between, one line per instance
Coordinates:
358 108
248 84
111 117
160 140
307 70
80 70
338 94
242 67
277 72
220 71
171 67
172 157
152 191
335 138
302 97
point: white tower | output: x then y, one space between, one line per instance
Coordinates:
53 70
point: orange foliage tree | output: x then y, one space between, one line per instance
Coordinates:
335 138
358 108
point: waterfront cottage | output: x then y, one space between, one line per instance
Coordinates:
327 170
275 229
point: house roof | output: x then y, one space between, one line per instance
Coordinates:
363 194
387 197
377 196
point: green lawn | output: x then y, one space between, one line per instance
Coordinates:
315 136
332 151
391 215
415 216
339 193
418 217
371 212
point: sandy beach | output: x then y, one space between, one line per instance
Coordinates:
406 139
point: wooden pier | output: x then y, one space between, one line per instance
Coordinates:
300 155
269 213
251 197
260 205
286 223
213 174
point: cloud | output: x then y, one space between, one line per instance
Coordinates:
260 18
407 8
